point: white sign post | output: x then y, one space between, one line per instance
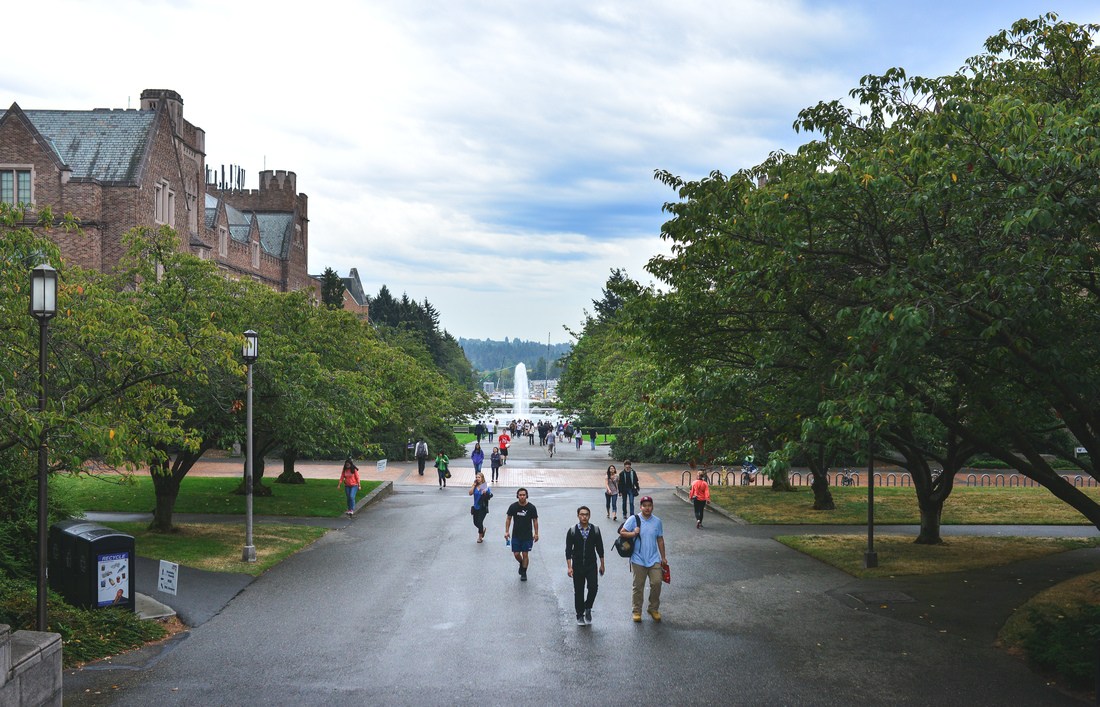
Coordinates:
169 572
381 465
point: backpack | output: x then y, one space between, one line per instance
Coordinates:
625 546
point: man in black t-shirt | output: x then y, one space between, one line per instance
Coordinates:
526 530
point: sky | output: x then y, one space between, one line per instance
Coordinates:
495 157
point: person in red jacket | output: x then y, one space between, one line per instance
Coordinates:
700 497
349 479
503 440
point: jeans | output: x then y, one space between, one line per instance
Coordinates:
655 575
479 520
420 464
612 500
350 492
585 575
496 473
700 507
593 441
628 497
442 477
477 467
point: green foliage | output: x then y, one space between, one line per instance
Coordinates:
495 360
1065 641
332 289
86 634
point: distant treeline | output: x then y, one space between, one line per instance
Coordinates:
488 356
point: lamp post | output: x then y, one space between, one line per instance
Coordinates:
43 307
870 557
250 352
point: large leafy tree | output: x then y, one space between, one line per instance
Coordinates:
912 271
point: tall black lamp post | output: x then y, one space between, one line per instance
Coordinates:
250 352
43 307
870 557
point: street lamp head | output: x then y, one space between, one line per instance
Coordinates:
251 346
43 303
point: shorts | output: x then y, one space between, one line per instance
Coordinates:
522 545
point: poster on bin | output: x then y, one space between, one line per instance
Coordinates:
114 578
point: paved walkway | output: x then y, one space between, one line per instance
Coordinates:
400 605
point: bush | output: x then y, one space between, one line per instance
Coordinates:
1065 642
86 634
19 512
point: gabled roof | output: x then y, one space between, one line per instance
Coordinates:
105 145
276 233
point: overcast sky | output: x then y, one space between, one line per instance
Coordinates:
493 156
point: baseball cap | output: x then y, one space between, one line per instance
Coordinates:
643 499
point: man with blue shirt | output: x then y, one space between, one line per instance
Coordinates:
647 559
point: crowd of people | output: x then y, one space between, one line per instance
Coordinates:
584 544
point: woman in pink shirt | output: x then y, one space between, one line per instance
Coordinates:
700 497
349 479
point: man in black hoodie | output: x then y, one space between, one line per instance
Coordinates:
583 544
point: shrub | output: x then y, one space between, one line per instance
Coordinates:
1065 642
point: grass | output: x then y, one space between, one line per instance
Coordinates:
898 506
899 555
217 546
316 498
465 438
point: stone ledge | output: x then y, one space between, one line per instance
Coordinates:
31 671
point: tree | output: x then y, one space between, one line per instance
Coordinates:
332 289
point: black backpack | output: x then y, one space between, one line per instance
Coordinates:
625 546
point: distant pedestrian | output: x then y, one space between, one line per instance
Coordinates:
477 457
550 445
494 463
628 486
442 462
349 479
648 559
592 437
526 530
479 429
611 493
421 455
480 508
700 497
583 544
493 430
503 441
579 437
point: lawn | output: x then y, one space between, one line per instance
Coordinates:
898 506
217 546
318 498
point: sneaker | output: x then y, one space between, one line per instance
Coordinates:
580 620
698 524
637 618
588 615
523 578
655 614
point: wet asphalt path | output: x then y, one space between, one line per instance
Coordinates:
403 607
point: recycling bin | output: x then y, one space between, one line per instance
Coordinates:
91 565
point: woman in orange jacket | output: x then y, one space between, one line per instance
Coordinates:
700 497
349 479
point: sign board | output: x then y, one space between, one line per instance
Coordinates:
1080 450
169 572
114 578
381 465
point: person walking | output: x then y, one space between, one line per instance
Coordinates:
493 430
503 441
611 493
583 544
349 479
477 457
526 530
648 559
628 486
421 454
441 464
479 429
550 444
578 435
494 463
700 497
480 508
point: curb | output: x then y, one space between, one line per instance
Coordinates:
380 492
685 495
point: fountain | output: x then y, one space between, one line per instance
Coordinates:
521 406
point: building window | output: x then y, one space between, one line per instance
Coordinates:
164 207
256 255
223 241
16 185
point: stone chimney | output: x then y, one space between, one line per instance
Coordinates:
152 98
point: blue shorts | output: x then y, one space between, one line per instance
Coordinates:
522 545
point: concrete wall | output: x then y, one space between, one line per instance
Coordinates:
30 668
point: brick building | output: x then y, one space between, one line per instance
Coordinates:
117 169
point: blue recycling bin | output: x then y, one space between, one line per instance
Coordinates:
91 565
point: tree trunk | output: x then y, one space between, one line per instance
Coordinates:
166 487
289 475
931 509
823 496
259 451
